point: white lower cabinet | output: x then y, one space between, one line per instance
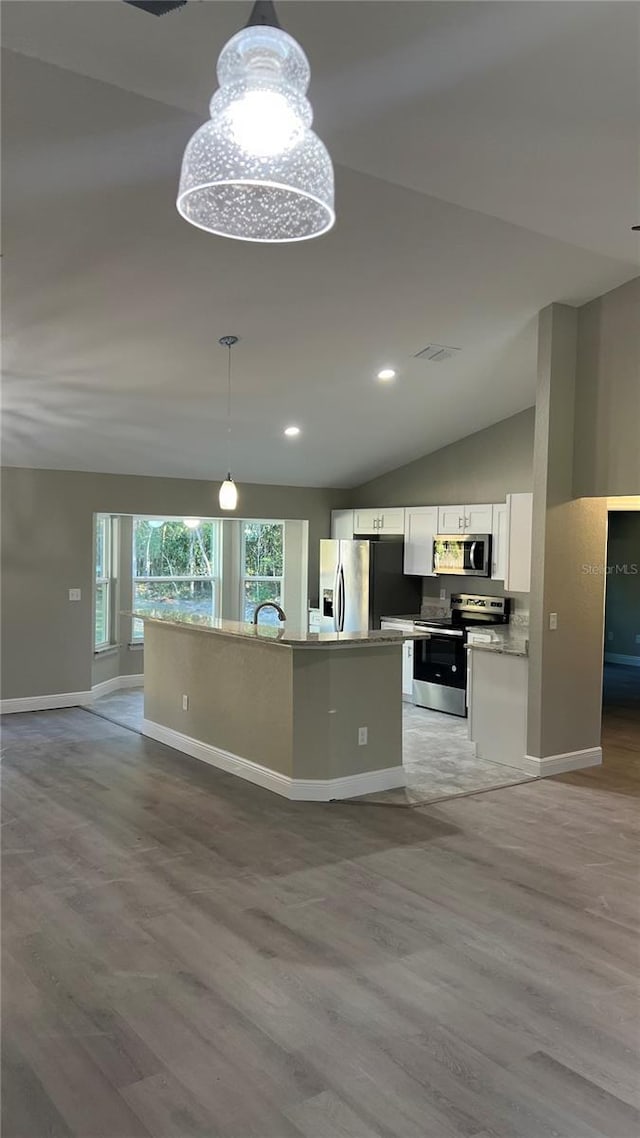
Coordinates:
407 655
497 692
421 526
407 668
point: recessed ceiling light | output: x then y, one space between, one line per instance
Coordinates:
291 432
387 373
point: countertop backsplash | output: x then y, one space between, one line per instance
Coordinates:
435 606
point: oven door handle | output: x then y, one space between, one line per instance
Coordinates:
428 634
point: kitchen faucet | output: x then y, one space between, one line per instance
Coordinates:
269 604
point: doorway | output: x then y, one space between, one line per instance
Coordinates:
621 672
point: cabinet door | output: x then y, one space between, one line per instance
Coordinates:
407 668
421 526
519 516
342 525
478 519
392 520
366 521
499 539
450 519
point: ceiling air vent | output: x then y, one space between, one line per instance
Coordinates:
436 353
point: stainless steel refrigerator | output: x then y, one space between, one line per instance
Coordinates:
362 581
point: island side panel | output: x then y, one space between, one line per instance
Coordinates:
240 692
336 691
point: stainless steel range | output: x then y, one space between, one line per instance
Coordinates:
440 660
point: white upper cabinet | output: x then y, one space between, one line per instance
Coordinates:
421 526
478 519
389 520
342 524
499 541
509 524
465 519
517 577
450 519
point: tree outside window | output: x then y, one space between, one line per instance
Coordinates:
175 565
262 568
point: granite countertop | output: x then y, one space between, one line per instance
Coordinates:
270 634
507 640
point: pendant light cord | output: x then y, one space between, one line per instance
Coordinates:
228 342
229 409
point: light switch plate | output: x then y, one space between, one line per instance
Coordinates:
553 621
75 594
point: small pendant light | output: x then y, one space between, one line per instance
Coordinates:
228 496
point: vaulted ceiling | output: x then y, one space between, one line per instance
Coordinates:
486 165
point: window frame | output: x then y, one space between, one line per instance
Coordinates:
245 577
137 637
107 583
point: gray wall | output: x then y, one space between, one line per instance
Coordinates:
483 467
622 619
47 548
569 536
607 426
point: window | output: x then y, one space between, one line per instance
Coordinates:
105 555
175 565
262 574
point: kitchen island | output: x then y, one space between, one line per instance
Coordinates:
312 716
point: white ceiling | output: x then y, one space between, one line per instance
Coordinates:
486 165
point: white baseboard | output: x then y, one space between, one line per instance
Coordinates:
45 702
620 658
69 698
298 789
116 683
569 761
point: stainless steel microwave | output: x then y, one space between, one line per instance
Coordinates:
462 554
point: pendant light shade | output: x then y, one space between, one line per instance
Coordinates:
228 496
256 171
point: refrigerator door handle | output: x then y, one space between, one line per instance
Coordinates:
341 601
336 599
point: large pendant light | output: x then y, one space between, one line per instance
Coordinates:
228 495
256 171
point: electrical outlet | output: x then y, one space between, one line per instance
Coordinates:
553 621
610 636
185 703
75 594
362 736
443 594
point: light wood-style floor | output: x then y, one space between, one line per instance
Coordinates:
188 955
